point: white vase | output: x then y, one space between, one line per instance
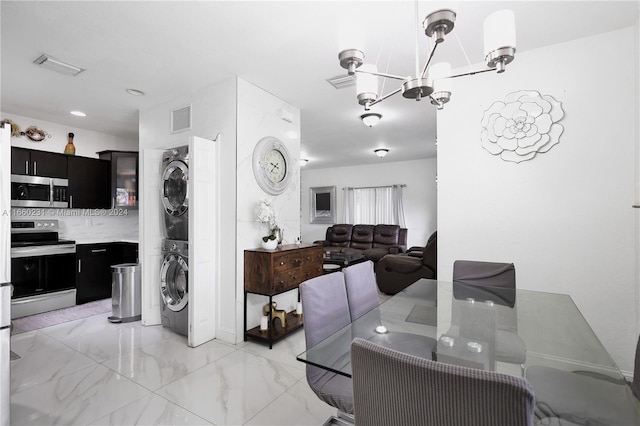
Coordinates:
269 244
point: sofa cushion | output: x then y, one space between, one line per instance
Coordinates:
375 254
402 264
386 235
339 235
362 236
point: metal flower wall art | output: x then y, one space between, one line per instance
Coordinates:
521 126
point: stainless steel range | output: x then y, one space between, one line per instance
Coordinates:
42 268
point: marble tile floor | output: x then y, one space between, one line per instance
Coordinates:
93 372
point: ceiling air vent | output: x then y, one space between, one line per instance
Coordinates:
181 119
342 81
46 61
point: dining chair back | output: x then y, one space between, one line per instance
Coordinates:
326 310
635 384
362 290
395 388
586 397
496 283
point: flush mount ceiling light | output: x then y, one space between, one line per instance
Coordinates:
46 61
434 82
370 119
135 92
381 152
78 113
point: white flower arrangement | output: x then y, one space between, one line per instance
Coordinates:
266 214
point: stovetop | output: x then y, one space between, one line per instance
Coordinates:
40 243
36 233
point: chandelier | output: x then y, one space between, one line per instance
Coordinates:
434 81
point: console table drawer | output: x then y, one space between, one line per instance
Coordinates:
271 272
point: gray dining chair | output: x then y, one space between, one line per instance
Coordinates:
326 310
362 290
585 397
495 282
395 388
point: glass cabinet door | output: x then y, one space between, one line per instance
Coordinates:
126 180
124 177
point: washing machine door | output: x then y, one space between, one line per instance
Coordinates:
174 282
175 180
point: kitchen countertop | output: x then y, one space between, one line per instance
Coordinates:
104 240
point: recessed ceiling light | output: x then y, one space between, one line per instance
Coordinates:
78 113
135 92
381 152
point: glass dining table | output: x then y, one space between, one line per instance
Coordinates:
504 330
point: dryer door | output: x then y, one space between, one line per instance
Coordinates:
175 180
174 282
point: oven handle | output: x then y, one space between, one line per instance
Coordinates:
18 252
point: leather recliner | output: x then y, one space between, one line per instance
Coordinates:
395 272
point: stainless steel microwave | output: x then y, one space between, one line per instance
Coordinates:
39 191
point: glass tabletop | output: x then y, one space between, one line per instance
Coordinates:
489 328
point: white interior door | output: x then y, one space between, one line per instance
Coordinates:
151 234
203 241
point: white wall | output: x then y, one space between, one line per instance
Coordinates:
419 195
259 116
213 112
242 114
87 142
564 218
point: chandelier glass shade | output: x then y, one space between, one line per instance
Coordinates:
434 81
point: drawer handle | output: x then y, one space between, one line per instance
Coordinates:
281 281
308 257
281 263
295 277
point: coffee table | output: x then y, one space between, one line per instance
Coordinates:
337 261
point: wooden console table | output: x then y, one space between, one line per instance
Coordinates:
271 272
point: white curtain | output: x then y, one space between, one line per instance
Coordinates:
376 205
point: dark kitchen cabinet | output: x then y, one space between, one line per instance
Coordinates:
93 273
38 163
88 183
93 268
124 177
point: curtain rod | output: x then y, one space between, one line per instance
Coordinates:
403 185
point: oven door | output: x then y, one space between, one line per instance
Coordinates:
34 275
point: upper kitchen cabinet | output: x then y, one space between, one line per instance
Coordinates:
89 183
124 177
38 163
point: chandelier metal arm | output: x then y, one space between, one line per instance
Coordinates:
388 95
426 66
472 73
381 74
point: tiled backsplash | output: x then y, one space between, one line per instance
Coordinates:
87 224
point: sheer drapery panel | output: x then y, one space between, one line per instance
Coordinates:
374 205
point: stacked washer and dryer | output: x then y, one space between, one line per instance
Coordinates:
174 272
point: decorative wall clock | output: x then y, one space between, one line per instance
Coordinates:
272 165
521 126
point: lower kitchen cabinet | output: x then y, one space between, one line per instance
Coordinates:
93 268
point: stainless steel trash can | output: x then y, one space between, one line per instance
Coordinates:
126 304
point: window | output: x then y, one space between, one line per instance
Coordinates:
374 205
